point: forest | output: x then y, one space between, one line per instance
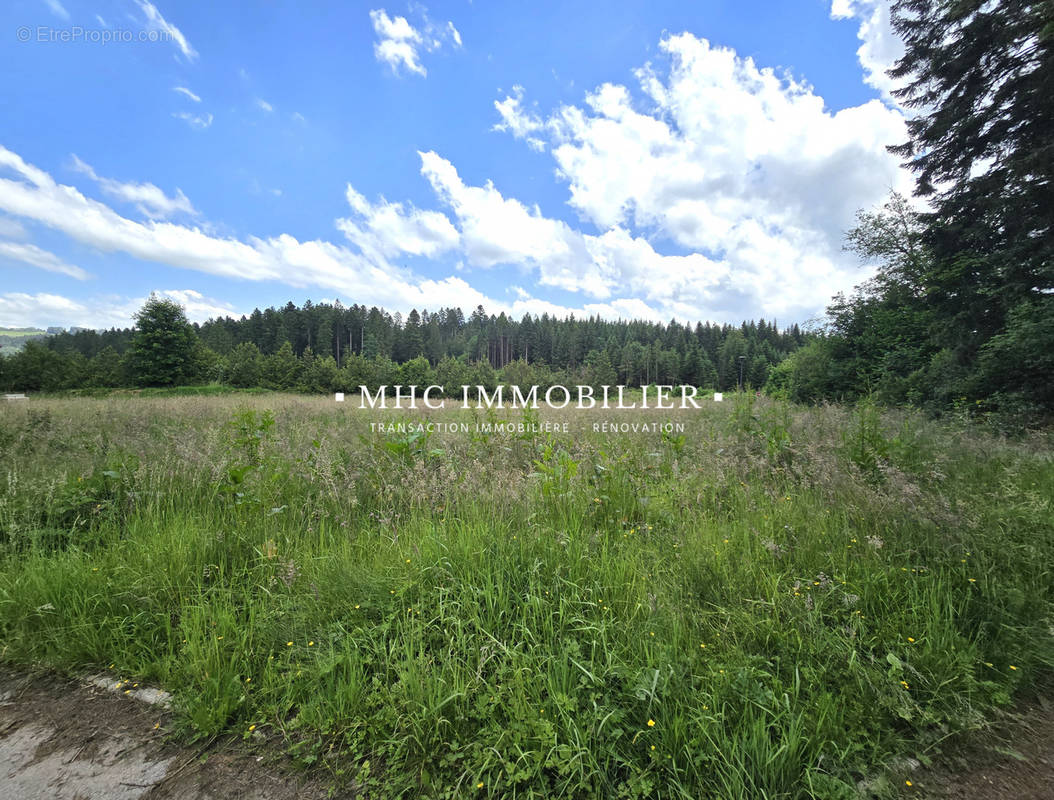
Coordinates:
327 347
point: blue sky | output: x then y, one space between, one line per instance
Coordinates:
641 159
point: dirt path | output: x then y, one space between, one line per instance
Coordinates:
67 740
1015 761
84 740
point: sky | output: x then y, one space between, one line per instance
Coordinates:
639 160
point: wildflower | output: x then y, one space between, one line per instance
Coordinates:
407 561
651 723
908 783
726 541
157 725
310 644
973 580
653 747
252 728
905 684
702 645
1013 667
288 644
479 785
911 639
652 633
356 606
218 638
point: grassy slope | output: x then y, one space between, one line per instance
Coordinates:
795 598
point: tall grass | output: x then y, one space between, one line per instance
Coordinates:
779 603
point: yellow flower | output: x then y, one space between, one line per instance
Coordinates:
651 723
252 728
310 644
973 580
653 747
1013 667
910 639
907 783
905 684
407 561
288 644
479 785
356 606
702 645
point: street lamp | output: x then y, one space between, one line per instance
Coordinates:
741 360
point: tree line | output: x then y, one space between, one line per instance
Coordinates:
330 347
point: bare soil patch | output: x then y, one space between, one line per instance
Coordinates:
62 739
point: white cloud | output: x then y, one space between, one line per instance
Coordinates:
156 22
521 124
41 259
57 9
42 310
724 158
880 46
183 90
263 105
148 198
498 230
34 194
388 229
197 121
400 44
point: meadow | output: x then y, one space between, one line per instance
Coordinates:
778 602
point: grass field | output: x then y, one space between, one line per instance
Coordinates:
780 602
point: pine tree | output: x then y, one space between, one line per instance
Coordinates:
163 345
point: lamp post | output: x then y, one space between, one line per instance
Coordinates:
741 360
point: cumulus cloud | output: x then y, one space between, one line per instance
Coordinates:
263 105
521 124
156 22
34 195
399 44
41 259
719 156
148 198
387 229
497 230
880 47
